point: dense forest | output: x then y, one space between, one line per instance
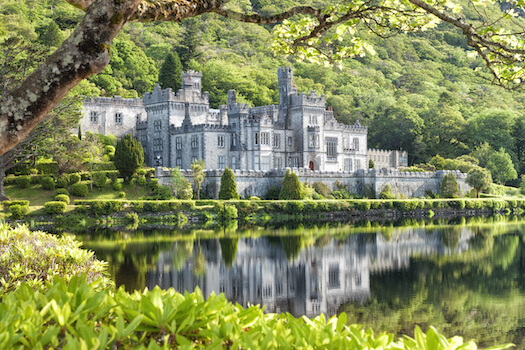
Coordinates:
419 92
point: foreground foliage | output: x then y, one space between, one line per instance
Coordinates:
75 315
36 258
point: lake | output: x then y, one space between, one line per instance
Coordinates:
465 279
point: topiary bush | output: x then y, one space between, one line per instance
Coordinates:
99 179
122 194
62 191
55 207
7 204
18 211
228 189
74 178
291 188
23 181
141 180
79 190
63 181
48 183
62 198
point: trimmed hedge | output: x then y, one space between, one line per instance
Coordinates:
74 178
63 181
23 181
48 183
47 168
79 190
62 191
18 211
55 207
62 198
99 179
7 204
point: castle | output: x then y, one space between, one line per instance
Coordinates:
177 128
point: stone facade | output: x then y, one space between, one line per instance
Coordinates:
256 183
178 128
387 159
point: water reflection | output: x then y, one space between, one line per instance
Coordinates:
296 274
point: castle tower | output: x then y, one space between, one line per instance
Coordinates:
191 82
285 76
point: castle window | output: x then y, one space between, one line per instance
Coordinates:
178 162
234 139
276 141
256 163
178 143
290 141
256 138
331 147
265 138
278 162
357 164
222 162
356 143
265 163
118 118
348 164
220 141
313 141
157 144
234 163
313 120
139 116
157 125
194 141
93 117
293 162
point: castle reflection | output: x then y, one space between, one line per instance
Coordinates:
283 276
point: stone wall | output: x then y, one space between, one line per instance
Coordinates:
257 183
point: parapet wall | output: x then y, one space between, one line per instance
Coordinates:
257 183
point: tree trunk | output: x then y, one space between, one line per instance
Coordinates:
3 197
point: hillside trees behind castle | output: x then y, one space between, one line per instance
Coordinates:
443 107
129 156
170 72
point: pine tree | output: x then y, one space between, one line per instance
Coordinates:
50 35
170 72
291 188
191 41
129 156
371 164
228 188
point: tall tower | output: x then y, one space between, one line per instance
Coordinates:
285 76
191 82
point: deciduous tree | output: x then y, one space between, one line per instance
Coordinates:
479 178
197 166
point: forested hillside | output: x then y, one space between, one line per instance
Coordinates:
418 92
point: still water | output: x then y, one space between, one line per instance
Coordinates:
463 279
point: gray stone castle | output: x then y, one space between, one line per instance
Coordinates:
176 128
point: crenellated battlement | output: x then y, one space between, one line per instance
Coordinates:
114 101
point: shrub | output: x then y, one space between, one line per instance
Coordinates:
273 193
225 212
449 186
105 207
62 198
45 256
48 183
228 189
321 188
74 178
18 211
162 193
117 186
99 179
47 168
291 188
141 180
457 204
63 181
23 181
7 204
363 205
386 193
122 194
129 156
62 191
79 190
55 207
294 207
113 177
